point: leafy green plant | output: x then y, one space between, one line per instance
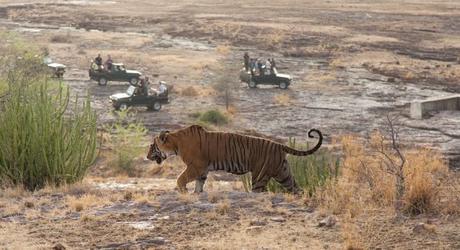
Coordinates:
126 141
309 172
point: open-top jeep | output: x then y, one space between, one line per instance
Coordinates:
118 73
57 70
269 78
132 97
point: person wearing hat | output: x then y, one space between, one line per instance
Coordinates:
162 89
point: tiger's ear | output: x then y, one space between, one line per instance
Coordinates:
163 136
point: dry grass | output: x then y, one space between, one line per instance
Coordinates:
14 192
62 39
223 207
367 181
283 99
78 204
190 91
143 198
223 50
351 236
213 197
366 190
187 198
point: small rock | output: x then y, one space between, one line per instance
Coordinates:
391 79
158 240
278 219
59 246
328 221
128 196
29 204
422 227
254 229
256 222
166 217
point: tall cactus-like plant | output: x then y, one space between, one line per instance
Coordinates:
43 139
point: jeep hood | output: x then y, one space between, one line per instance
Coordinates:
135 72
119 96
284 76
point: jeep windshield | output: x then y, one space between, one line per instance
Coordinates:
131 90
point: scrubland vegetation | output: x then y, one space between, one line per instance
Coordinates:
127 140
47 137
64 180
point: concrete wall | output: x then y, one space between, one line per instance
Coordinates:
418 109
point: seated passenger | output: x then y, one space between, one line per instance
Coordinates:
162 89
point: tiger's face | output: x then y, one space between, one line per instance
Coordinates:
161 148
155 154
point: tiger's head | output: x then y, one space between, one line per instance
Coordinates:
161 148
155 154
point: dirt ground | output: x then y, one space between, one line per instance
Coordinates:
353 62
145 213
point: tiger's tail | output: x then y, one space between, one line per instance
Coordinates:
293 151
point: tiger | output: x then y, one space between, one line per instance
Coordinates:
203 151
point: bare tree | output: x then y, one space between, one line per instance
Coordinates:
227 77
393 160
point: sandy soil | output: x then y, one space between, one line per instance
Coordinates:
353 63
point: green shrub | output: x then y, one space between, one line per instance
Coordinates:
44 137
213 116
42 140
309 172
126 141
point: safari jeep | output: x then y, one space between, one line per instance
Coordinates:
269 78
130 98
118 73
57 70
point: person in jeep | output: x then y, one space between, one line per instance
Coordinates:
98 61
145 86
109 63
246 61
162 89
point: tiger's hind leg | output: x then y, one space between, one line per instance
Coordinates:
259 186
286 179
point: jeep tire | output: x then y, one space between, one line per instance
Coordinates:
252 84
155 106
133 81
283 85
102 81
